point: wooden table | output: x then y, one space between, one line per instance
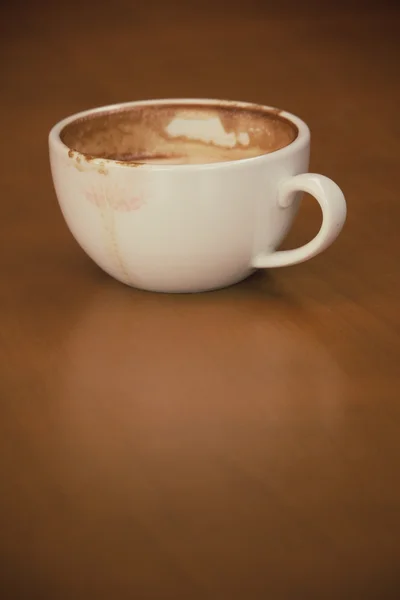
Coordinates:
241 444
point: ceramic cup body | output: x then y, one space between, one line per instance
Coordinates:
194 227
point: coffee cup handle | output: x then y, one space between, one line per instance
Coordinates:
333 204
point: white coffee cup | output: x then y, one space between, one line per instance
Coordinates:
189 227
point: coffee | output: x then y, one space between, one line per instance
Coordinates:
180 133
194 227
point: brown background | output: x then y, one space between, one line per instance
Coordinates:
237 444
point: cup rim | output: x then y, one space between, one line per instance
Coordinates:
301 140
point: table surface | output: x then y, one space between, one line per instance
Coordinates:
236 444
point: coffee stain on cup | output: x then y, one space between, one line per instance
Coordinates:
111 200
102 169
108 217
84 163
113 197
78 164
